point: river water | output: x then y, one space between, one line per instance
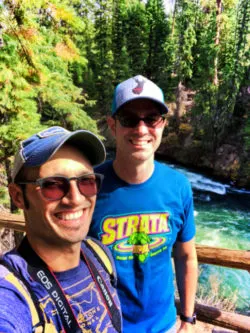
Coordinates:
222 215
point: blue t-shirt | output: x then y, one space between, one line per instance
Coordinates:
140 224
77 284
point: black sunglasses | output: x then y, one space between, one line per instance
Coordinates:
131 120
55 188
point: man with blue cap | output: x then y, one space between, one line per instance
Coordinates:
58 280
143 212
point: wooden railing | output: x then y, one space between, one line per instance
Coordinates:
206 254
12 221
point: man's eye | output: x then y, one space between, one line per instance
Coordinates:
52 183
153 118
126 118
87 180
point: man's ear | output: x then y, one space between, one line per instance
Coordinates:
166 122
16 194
111 124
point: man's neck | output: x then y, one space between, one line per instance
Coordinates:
134 173
59 259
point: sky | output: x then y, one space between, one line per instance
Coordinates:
169 4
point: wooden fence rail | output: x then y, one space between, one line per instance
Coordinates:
223 257
214 316
206 254
12 221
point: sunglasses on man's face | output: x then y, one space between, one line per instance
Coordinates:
131 120
55 188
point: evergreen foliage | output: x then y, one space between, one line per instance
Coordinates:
60 61
119 41
185 38
157 35
104 72
136 33
37 88
215 102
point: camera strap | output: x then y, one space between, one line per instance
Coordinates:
40 272
105 293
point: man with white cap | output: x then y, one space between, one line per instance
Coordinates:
143 211
58 280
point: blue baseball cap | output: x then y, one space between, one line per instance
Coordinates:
137 87
40 147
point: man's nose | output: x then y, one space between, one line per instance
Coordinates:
73 196
141 127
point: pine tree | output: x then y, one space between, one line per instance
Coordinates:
157 35
219 69
103 60
37 89
184 39
136 35
119 45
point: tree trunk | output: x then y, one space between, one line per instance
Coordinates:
217 40
173 19
18 236
179 105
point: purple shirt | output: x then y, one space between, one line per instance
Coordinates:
77 284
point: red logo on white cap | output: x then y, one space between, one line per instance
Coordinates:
139 88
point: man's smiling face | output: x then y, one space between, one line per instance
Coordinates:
139 142
64 221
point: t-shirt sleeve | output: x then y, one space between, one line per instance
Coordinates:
14 311
188 230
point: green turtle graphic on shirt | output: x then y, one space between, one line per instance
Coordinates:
140 242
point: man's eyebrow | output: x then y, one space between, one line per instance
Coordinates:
77 174
131 114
